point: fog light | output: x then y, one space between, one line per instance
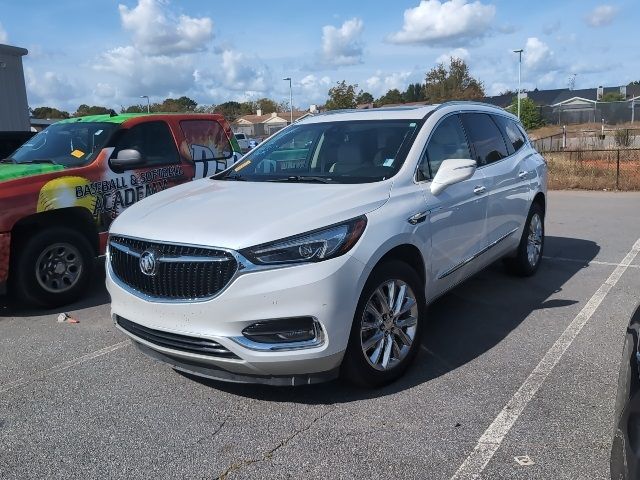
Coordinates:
284 330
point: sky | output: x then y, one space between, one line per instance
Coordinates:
110 52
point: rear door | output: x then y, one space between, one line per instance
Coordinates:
458 214
507 191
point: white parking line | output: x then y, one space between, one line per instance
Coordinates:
62 366
587 262
493 436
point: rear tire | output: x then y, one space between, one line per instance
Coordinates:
387 326
531 247
53 268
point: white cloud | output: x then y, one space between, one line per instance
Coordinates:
314 89
342 46
381 83
241 72
601 15
453 22
48 88
105 91
140 74
157 31
461 53
538 56
4 37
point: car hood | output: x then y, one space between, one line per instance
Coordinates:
236 214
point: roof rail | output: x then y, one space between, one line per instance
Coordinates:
466 102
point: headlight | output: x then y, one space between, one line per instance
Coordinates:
313 246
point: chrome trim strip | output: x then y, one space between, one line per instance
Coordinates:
244 267
188 259
473 257
123 248
280 347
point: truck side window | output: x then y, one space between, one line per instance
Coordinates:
153 140
446 142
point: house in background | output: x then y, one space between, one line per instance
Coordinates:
260 125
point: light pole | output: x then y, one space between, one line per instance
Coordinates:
290 97
148 105
519 52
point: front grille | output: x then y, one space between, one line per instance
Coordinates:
184 343
182 272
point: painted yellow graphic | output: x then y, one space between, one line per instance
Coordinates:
61 193
77 153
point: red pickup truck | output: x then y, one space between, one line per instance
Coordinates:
61 190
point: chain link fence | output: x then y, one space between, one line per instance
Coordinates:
598 169
611 113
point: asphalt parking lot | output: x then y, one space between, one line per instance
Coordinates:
508 368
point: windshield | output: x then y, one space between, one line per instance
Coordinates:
329 152
68 144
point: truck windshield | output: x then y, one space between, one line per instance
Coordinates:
68 144
329 152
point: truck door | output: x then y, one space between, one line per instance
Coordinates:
209 146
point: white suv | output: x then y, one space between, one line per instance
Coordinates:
318 253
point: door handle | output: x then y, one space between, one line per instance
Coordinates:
417 218
522 174
479 190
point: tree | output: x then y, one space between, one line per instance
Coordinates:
454 83
49 113
529 113
266 105
635 82
393 96
175 105
84 110
364 97
414 93
232 110
612 97
134 109
341 96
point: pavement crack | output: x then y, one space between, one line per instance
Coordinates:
269 453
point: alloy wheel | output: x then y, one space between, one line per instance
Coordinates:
534 240
389 324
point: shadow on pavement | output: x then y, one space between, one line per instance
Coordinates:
464 324
96 295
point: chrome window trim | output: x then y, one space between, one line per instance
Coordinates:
244 266
476 255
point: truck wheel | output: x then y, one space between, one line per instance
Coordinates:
385 335
53 267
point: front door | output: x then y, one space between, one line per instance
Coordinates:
457 215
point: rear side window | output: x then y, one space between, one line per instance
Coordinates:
206 139
447 141
485 137
240 136
153 140
512 131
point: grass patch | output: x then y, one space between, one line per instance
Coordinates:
589 170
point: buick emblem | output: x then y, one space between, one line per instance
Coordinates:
148 263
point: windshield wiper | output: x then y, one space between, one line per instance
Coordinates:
238 178
304 179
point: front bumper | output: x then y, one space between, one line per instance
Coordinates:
327 291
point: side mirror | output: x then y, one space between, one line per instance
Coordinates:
127 158
452 171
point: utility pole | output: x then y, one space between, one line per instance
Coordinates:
290 97
519 52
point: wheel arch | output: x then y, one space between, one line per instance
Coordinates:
78 219
540 199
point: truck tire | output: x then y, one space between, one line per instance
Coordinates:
53 267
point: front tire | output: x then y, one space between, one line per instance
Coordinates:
387 326
531 247
53 267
